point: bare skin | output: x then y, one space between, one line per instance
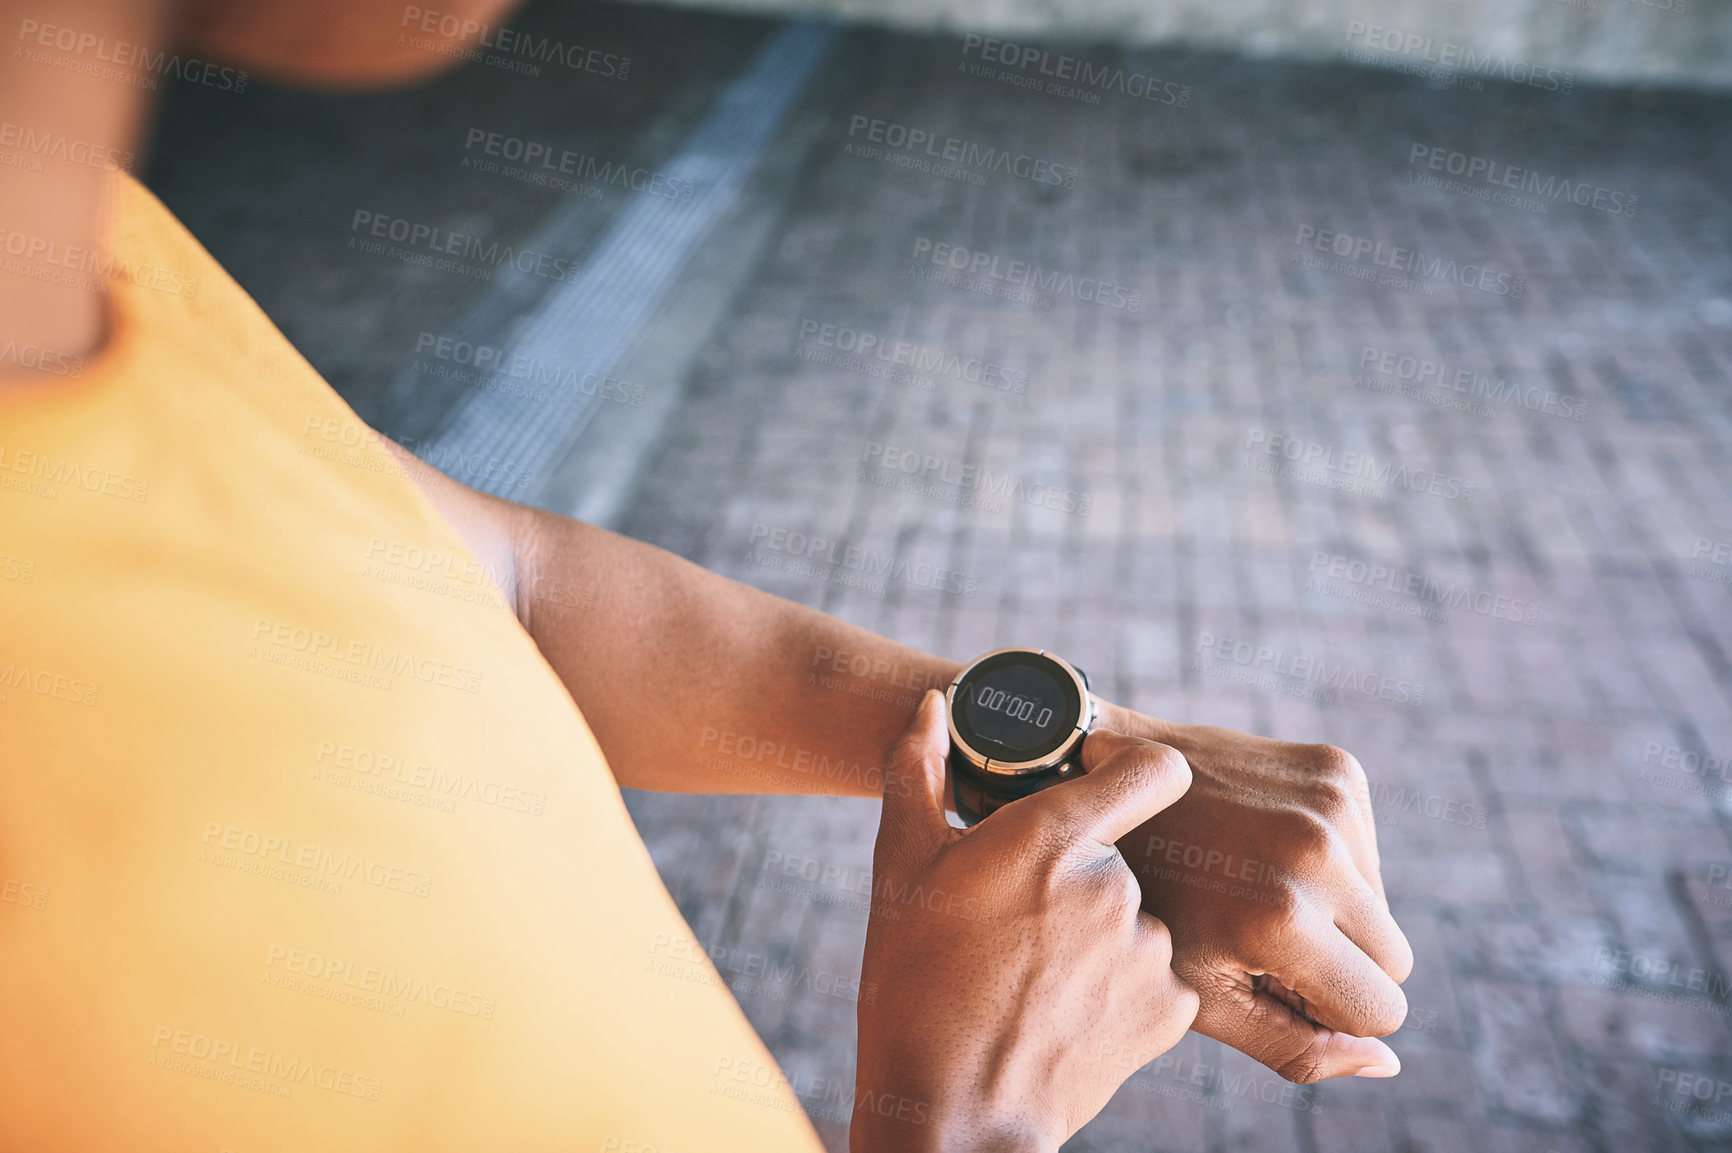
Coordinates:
1020 983
56 214
1303 976
1303 973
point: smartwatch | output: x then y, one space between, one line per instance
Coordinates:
1017 722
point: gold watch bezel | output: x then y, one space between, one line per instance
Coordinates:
1058 756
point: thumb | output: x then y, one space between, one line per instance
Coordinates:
1264 1027
913 820
1128 780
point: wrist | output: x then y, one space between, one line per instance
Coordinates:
910 1105
896 1113
955 1130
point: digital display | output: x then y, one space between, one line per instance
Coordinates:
1018 706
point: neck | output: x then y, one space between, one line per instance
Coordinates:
62 131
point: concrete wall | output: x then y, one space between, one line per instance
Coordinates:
1670 42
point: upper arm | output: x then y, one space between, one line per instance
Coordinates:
499 532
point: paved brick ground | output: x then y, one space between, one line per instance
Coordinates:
1551 841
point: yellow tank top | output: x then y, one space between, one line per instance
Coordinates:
303 846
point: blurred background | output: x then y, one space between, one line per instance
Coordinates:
1343 371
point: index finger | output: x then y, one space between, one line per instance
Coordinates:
1364 847
1342 987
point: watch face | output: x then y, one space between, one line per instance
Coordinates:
1016 706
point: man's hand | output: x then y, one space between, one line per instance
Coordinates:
1266 870
1017 982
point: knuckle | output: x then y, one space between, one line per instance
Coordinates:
1159 943
1362 905
1308 835
1154 773
1334 764
1330 798
1137 755
1190 1002
1168 1007
1104 746
1166 759
1111 740
1126 893
1386 1014
1042 877
1402 967
1168 765
1116 889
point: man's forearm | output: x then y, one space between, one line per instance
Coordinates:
696 683
693 683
